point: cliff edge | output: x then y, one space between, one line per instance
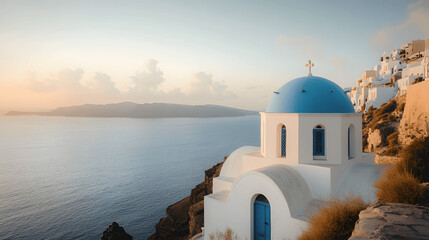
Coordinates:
185 218
392 221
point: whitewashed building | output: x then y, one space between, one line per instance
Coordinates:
379 95
398 70
310 152
403 84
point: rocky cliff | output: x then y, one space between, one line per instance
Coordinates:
392 221
185 218
115 232
396 123
380 130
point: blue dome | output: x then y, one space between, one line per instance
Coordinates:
310 94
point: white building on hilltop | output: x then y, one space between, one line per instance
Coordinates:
403 67
311 152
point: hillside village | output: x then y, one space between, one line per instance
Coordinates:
391 76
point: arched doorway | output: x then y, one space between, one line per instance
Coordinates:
261 218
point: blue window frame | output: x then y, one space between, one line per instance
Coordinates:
319 142
283 142
348 143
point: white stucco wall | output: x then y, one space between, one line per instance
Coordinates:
286 191
292 184
358 180
336 138
404 83
270 136
378 96
415 68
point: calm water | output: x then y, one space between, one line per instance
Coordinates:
69 178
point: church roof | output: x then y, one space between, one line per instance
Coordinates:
310 94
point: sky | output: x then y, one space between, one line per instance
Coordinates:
233 53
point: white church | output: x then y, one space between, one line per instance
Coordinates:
311 152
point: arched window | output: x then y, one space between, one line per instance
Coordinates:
350 141
283 141
318 141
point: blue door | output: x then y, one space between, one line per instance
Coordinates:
262 221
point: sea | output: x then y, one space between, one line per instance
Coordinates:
70 177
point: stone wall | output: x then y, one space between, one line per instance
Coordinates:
415 120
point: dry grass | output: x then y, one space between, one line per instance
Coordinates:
386 107
399 186
334 221
392 151
227 235
393 145
376 119
393 139
415 159
401 107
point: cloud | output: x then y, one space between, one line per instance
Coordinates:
302 44
148 79
102 84
39 85
68 84
203 85
65 79
71 87
414 27
70 79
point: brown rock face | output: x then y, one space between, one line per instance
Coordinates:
374 138
115 232
415 122
186 217
392 221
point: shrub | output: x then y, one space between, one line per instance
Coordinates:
386 107
364 141
393 139
399 186
392 151
227 235
378 121
391 118
401 107
415 159
336 220
385 132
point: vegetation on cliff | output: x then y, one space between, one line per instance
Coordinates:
380 128
402 183
335 220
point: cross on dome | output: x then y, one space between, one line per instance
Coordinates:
309 65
